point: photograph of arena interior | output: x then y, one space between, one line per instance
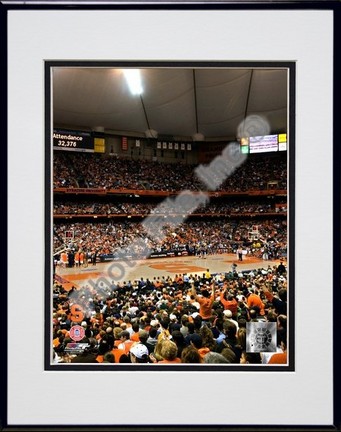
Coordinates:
183 288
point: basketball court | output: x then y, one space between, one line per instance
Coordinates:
150 268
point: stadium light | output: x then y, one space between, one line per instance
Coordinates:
133 78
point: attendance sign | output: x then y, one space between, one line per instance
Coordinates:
73 141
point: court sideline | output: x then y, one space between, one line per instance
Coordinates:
150 268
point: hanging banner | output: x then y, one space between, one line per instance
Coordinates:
124 143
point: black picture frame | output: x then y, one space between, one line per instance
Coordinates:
5 7
291 71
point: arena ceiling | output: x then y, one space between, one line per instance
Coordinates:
175 102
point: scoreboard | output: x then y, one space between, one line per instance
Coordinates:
264 144
73 141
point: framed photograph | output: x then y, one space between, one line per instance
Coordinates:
148 245
138 265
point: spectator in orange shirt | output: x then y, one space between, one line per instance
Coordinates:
280 357
205 301
103 348
126 343
117 353
135 336
254 300
229 302
169 351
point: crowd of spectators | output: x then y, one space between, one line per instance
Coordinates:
169 320
193 319
196 237
61 207
64 175
96 171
